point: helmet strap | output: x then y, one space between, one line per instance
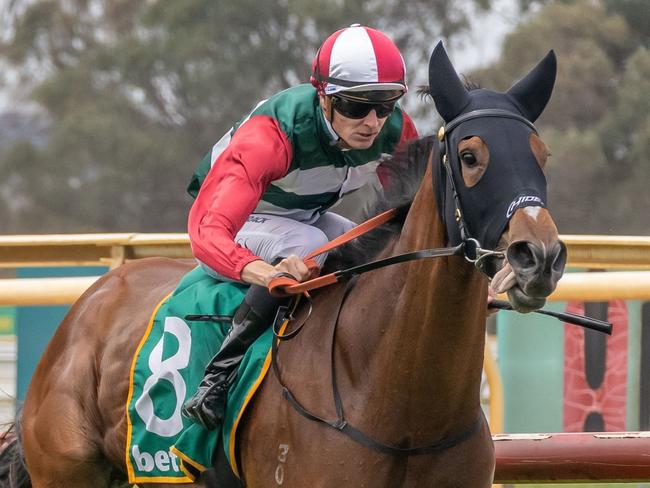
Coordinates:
328 114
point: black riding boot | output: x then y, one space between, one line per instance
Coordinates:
253 317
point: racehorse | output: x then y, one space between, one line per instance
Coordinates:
381 387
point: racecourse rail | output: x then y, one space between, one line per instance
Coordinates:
619 268
614 257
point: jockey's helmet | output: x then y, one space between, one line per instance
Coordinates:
361 63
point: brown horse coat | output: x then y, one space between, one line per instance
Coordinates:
408 349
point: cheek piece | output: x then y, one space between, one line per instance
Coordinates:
513 180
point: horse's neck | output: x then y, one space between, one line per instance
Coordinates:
419 328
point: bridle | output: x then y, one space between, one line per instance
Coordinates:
473 250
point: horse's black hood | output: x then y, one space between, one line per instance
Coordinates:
487 207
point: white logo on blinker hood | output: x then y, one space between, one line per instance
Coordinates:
521 201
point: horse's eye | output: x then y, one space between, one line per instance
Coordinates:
468 158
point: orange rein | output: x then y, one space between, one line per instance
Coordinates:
282 286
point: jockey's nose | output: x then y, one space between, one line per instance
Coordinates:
371 119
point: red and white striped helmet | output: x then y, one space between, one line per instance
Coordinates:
357 59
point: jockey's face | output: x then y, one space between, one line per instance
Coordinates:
354 133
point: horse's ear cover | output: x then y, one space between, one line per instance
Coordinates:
446 88
520 181
533 91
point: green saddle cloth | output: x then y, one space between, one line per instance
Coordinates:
162 445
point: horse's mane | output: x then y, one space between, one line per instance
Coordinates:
403 174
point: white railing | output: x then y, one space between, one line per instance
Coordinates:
585 251
620 253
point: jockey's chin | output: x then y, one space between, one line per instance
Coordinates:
360 140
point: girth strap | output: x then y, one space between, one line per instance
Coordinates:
341 424
441 445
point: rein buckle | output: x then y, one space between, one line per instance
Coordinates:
475 254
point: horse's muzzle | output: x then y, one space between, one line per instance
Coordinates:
537 268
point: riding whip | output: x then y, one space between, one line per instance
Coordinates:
571 318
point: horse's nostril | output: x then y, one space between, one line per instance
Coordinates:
558 257
522 255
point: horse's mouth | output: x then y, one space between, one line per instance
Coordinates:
524 303
530 273
513 284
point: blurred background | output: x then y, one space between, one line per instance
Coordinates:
107 105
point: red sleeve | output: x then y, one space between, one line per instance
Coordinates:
409 132
258 154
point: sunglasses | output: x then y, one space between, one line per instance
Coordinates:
359 110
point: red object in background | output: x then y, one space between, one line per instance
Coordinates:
609 399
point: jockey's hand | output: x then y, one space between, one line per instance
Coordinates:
261 273
295 266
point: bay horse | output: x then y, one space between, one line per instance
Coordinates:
389 362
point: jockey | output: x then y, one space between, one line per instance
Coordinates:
266 186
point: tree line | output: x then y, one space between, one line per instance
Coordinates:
126 96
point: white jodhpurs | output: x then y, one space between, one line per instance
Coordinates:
271 237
